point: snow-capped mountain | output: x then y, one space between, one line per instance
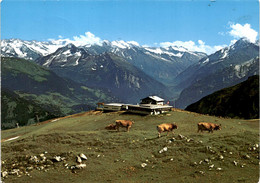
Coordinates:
163 64
69 55
238 53
224 68
30 50
105 70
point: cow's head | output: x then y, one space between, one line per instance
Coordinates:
217 127
174 126
110 127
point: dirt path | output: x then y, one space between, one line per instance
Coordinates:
9 139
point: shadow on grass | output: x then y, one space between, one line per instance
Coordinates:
152 138
134 114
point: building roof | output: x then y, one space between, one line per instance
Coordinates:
151 106
156 98
114 104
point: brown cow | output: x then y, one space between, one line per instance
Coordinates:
166 127
202 126
124 123
111 127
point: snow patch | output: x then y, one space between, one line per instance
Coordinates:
225 52
157 57
160 51
206 61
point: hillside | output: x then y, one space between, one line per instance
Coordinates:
44 88
241 101
15 109
229 155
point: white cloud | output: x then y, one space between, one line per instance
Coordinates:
86 39
233 41
243 31
192 46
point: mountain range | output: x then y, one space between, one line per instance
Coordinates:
226 67
106 70
121 71
162 64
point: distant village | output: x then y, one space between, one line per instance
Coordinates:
152 105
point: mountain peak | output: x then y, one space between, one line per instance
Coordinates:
242 43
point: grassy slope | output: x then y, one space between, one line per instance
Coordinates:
117 157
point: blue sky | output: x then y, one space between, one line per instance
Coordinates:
148 22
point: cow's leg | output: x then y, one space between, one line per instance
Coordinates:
159 134
128 128
117 128
167 133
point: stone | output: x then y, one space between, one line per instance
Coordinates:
180 136
34 159
14 172
78 159
211 166
83 156
165 149
57 158
221 157
4 174
206 160
143 165
29 168
235 163
81 166
246 156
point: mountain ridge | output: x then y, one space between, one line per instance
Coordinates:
239 101
224 68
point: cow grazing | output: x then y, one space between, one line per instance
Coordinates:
111 127
166 127
124 123
208 127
